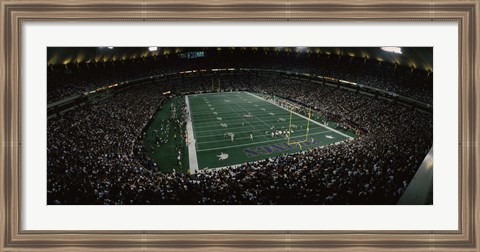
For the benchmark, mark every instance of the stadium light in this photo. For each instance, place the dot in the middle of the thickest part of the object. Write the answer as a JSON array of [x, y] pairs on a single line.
[[110, 47], [301, 49], [152, 48], [392, 49]]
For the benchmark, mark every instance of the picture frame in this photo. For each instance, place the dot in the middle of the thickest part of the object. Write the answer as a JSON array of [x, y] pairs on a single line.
[[14, 13]]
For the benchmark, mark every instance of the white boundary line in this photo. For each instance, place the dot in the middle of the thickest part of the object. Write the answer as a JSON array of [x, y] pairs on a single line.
[[336, 131], [192, 149]]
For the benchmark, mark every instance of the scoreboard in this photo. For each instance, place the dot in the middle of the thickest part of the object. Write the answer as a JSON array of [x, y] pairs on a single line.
[[192, 55]]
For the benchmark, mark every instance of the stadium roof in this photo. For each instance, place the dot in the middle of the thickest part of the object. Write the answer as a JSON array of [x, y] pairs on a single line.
[[417, 57]]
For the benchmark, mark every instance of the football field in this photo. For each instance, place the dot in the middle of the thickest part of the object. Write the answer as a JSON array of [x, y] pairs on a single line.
[[235, 127]]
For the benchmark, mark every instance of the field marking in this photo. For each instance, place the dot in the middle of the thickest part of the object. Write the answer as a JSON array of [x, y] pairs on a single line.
[[254, 143], [229, 109], [256, 117], [241, 129], [229, 122], [270, 141], [210, 93], [248, 137], [239, 145], [290, 153], [258, 111], [233, 120], [192, 149], [238, 114], [336, 131]]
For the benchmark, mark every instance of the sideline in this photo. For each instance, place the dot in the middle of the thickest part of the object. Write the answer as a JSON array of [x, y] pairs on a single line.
[[192, 149]]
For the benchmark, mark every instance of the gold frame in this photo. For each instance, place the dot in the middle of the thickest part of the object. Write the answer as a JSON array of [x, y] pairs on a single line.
[[14, 12]]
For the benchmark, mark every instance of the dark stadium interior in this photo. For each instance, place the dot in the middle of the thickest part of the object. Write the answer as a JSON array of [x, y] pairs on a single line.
[[101, 99]]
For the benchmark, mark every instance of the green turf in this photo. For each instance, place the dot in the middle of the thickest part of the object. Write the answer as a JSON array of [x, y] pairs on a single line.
[[165, 154], [207, 109]]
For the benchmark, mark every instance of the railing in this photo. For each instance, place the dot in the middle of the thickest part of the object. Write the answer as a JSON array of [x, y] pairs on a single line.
[[420, 189]]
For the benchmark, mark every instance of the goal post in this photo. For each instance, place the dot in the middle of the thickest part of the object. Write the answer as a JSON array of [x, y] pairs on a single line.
[[307, 129], [290, 126]]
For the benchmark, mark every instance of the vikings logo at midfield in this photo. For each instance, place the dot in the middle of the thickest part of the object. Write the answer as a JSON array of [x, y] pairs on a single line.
[[222, 156]]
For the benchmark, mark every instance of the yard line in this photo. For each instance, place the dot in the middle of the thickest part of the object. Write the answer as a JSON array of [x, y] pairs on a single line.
[[254, 143], [209, 112], [229, 129], [301, 133], [229, 122], [208, 118], [234, 111], [278, 126], [212, 93], [323, 125], [248, 137], [298, 120], [192, 149], [253, 117], [233, 129]]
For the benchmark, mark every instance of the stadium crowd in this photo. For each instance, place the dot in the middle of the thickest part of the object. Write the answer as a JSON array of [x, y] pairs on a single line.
[[93, 149], [94, 156], [64, 82]]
